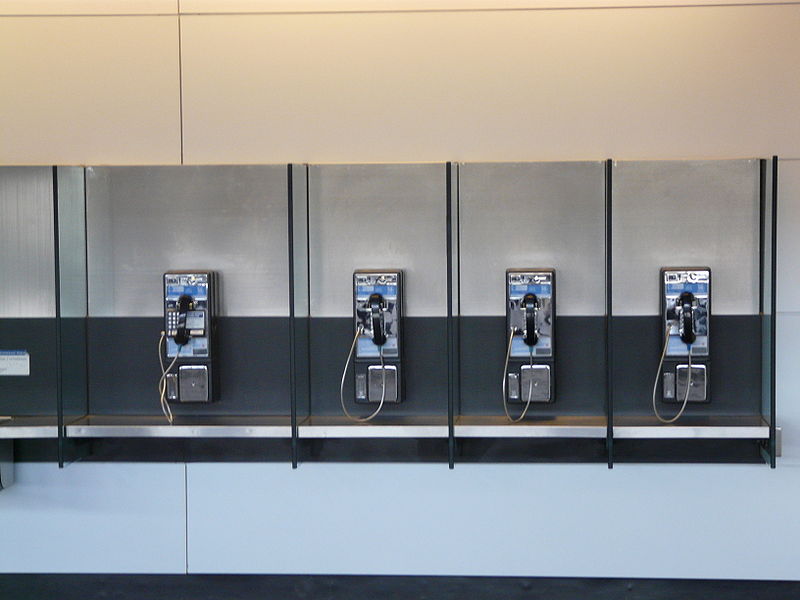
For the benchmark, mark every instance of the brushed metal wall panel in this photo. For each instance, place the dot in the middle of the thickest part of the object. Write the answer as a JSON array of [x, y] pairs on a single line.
[[27, 277], [143, 221], [693, 213], [378, 217], [532, 215], [72, 241]]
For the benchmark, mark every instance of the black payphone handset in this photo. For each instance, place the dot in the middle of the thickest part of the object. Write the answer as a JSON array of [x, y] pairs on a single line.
[[682, 312], [377, 310], [687, 303], [530, 305], [686, 306], [185, 304], [530, 323], [188, 339]]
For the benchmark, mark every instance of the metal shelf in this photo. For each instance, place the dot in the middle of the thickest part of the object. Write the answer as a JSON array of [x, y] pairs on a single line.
[[498, 426], [96, 426], [380, 427], [625, 427], [28, 428], [712, 427]]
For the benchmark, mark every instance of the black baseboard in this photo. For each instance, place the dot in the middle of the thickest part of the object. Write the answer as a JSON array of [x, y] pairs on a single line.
[[407, 450], [324, 587]]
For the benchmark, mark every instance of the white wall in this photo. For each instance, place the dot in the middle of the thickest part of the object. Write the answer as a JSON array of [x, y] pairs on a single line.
[[690, 82], [496, 86], [89, 90], [704, 521], [704, 82], [116, 518]]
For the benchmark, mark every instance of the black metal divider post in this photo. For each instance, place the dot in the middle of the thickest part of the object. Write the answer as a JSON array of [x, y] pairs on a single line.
[[59, 345], [299, 365], [292, 322], [768, 234], [773, 449], [452, 330], [71, 329], [766, 451], [609, 324], [762, 214]]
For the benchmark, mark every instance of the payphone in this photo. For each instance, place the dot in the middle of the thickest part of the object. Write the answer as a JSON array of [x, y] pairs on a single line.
[[685, 313], [377, 345], [530, 326], [190, 306]]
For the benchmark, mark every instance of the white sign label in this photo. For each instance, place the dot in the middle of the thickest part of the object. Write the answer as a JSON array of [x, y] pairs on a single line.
[[15, 362]]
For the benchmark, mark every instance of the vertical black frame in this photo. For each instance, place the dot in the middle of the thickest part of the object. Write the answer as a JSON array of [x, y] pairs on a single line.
[[609, 356], [59, 344], [773, 442], [68, 450], [762, 198], [299, 326], [292, 321], [768, 232], [545, 449], [453, 345]]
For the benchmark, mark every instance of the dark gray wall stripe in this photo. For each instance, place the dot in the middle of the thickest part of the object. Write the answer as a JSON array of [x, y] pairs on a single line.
[[35, 394], [253, 362], [735, 365], [327, 587], [579, 372], [424, 366]]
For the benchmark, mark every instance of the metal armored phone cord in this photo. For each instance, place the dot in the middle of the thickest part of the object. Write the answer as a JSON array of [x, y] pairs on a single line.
[[505, 378], [658, 376], [162, 383], [359, 331]]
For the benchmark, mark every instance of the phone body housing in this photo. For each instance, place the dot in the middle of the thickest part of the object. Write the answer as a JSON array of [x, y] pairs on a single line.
[[531, 369], [193, 378], [369, 378], [675, 372]]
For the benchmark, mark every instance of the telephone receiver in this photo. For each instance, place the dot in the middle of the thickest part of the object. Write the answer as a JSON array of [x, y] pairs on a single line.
[[683, 312], [185, 304], [686, 328], [376, 306], [530, 305]]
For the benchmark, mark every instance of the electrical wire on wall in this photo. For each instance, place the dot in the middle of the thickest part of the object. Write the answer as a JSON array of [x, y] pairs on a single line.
[[162, 382], [359, 331], [658, 376], [505, 377]]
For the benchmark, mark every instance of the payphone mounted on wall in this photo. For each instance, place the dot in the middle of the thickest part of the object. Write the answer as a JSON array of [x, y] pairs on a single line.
[[377, 345], [530, 326], [685, 312], [190, 299]]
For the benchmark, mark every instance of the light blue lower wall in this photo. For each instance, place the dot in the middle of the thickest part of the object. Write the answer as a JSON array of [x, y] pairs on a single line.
[[705, 521], [551, 520], [107, 518]]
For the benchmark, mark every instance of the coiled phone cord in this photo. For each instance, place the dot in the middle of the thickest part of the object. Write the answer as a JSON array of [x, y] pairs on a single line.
[[505, 378], [162, 383], [658, 376], [359, 331]]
